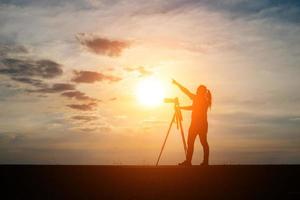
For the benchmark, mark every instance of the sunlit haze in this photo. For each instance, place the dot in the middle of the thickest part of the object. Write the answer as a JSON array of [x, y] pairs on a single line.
[[150, 92], [83, 81]]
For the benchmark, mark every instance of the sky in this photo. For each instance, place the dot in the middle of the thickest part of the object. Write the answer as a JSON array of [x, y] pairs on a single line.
[[69, 72]]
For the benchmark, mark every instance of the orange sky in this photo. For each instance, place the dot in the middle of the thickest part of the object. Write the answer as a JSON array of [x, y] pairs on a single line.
[[69, 72]]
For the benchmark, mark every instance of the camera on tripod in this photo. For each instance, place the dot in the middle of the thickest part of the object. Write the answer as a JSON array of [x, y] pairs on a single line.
[[172, 100], [177, 119]]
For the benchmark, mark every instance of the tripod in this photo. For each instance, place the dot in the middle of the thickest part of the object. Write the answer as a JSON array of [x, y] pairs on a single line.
[[177, 118]]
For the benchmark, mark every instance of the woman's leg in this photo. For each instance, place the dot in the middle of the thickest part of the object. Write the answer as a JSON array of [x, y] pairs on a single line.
[[191, 140], [203, 140]]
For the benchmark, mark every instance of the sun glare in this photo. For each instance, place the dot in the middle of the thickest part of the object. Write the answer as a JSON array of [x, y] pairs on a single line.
[[150, 92]]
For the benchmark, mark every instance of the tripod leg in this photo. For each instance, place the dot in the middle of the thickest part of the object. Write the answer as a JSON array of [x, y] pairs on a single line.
[[163, 146], [182, 136]]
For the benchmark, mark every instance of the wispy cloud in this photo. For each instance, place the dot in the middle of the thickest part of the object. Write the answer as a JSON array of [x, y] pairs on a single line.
[[83, 107], [141, 70], [30, 81], [280, 10], [91, 77], [7, 49], [113, 99], [56, 87], [102, 46], [33, 72], [84, 118], [29, 67], [78, 96]]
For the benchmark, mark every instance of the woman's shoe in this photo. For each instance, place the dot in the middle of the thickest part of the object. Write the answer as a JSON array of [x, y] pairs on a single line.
[[185, 163], [204, 164]]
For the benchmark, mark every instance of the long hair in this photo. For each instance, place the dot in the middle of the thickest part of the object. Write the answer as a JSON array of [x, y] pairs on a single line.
[[206, 94], [209, 98]]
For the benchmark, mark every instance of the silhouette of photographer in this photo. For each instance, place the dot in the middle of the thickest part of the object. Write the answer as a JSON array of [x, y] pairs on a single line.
[[199, 125]]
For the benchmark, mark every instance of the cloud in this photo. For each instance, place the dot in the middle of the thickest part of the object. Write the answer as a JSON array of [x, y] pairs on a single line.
[[295, 118], [30, 81], [88, 129], [46, 4], [31, 71], [102, 46], [83, 107], [78, 96], [280, 10], [91, 77], [141, 70], [113, 99], [85, 118], [43, 87], [6, 49], [56, 87], [29, 67]]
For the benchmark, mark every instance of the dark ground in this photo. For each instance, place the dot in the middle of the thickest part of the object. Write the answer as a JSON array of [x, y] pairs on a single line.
[[146, 182]]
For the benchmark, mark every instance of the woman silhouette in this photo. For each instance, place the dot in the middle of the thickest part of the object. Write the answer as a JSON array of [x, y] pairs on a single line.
[[199, 125]]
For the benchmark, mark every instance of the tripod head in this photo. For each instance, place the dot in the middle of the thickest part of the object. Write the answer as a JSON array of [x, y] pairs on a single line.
[[172, 100], [175, 101]]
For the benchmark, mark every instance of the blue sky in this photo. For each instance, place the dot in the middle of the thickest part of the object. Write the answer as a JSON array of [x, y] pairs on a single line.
[[69, 69]]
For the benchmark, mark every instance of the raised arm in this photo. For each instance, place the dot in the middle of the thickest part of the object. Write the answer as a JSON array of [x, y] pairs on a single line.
[[186, 107], [184, 90]]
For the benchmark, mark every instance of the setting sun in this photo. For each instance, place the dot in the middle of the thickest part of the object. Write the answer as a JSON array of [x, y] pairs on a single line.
[[150, 92]]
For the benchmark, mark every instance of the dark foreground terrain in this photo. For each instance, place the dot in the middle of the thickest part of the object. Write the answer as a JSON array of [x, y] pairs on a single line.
[[138, 182]]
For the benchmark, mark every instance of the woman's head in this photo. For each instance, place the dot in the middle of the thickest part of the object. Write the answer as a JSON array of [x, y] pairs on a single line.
[[202, 91]]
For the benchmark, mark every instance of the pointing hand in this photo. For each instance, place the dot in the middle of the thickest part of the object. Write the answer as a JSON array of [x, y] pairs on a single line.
[[174, 81]]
